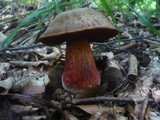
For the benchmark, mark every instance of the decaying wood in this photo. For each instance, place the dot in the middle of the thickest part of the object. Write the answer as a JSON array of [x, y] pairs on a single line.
[[133, 68]]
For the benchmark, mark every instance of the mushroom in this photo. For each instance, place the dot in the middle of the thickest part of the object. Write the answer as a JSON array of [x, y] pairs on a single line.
[[78, 28]]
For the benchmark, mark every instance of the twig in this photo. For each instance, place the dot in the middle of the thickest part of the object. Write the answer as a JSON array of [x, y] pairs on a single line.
[[149, 40], [127, 46], [109, 99], [21, 48]]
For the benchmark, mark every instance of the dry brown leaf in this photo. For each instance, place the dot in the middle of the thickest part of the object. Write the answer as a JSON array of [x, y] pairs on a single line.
[[142, 89], [156, 95], [4, 67], [78, 112], [154, 68], [108, 114], [91, 109], [33, 82], [5, 85], [23, 110], [140, 111], [54, 55], [35, 100], [102, 112]]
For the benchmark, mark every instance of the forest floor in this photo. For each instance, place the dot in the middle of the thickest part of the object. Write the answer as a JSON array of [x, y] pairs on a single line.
[[27, 93]]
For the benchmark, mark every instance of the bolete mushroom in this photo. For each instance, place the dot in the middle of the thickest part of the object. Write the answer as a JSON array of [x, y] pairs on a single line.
[[78, 28]]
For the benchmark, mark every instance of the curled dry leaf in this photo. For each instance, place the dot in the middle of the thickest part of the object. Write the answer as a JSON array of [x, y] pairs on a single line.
[[154, 68], [35, 86], [41, 51], [156, 95], [33, 82], [2, 38], [56, 53], [5, 85], [108, 54], [4, 67]]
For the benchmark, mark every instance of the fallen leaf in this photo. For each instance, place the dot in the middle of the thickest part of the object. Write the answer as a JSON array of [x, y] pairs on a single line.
[[6, 85], [156, 96], [33, 82], [138, 111], [23, 110], [78, 112], [4, 67]]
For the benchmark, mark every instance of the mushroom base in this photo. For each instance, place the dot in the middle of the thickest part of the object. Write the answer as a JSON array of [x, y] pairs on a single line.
[[80, 70]]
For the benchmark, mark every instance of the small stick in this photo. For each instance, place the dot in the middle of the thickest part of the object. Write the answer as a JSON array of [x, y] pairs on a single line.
[[127, 46], [22, 48], [109, 99], [28, 64]]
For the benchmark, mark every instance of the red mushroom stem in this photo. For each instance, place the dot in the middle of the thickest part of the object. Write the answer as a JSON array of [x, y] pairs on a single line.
[[80, 70]]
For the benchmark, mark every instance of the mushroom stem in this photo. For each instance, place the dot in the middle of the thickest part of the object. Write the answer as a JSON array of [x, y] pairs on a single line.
[[80, 70]]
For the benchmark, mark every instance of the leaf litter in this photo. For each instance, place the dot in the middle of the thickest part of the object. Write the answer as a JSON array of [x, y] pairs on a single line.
[[27, 93]]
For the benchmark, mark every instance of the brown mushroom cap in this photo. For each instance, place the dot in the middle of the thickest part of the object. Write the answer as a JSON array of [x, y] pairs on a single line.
[[76, 24]]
